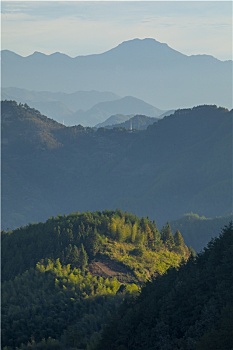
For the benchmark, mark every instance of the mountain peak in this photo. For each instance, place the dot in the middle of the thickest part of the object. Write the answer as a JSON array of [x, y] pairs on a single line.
[[144, 41], [147, 46]]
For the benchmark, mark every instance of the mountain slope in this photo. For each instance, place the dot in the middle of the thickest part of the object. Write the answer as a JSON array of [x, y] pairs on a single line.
[[146, 69], [186, 309], [126, 105], [180, 164], [114, 120], [58, 106], [65, 277], [137, 122], [82, 107]]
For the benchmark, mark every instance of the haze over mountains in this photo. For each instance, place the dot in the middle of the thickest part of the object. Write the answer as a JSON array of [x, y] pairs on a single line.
[[182, 163], [87, 108], [127, 105], [137, 122], [107, 190], [146, 69]]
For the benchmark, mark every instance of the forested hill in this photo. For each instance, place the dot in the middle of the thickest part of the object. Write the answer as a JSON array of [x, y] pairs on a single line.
[[182, 163], [188, 309], [63, 279]]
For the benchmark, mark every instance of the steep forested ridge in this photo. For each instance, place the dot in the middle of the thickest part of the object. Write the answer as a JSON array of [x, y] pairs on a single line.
[[63, 279], [180, 164], [186, 309]]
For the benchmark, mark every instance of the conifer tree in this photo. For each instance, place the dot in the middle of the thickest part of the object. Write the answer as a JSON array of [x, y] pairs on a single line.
[[178, 239], [167, 236]]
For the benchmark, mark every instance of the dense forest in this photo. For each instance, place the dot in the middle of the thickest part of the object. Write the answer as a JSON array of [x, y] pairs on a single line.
[[190, 308], [62, 280], [180, 164], [109, 279]]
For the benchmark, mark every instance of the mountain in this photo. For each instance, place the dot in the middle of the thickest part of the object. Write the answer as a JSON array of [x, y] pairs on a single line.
[[63, 279], [180, 164], [146, 69], [137, 122], [188, 308], [82, 107], [58, 106], [126, 105], [113, 120]]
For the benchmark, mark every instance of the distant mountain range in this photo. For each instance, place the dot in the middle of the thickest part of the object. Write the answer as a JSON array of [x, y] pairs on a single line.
[[83, 100], [137, 122], [180, 164], [115, 119], [146, 69], [87, 108], [103, 110]]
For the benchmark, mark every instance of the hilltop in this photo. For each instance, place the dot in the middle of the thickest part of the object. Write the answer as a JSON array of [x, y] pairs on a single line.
[[63, 279]]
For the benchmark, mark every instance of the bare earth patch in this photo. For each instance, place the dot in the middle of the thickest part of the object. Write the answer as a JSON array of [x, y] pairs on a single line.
[[108, 268]]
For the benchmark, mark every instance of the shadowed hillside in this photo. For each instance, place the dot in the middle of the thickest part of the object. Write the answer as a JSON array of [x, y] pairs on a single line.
[[187, 309], [182, 163]]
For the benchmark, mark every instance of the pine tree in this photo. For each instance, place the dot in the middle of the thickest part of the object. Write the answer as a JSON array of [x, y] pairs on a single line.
[[167, 236], [178, 239]]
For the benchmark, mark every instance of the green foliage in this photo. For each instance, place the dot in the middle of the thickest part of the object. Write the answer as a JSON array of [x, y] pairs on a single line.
[[45, 301], [63, 279], [79, 238], [189, 308], [167, 236]]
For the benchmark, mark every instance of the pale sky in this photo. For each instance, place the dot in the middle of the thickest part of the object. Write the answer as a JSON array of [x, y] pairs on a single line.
[[84, 27]]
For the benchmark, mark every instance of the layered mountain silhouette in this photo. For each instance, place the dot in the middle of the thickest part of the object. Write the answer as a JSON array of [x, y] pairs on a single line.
[[180, 164], [146, 69], [137, 122], [126, 105], [87, 108], [83, 100], [115, 119]]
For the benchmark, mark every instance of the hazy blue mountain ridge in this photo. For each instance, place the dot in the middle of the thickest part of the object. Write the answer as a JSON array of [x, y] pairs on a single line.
[[77, 100], [137, 122], [82, 107], [113, 120], [145, 68], [126, 105]]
